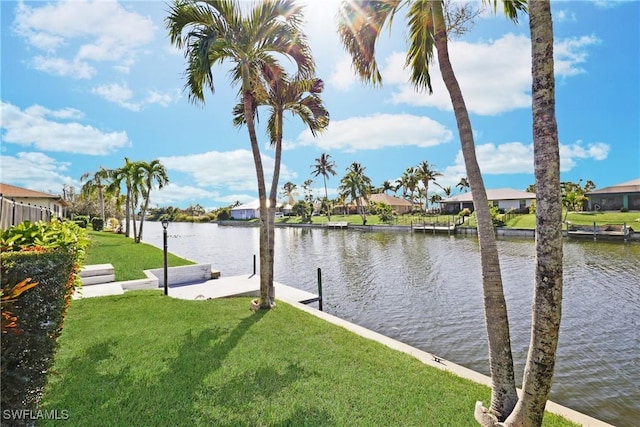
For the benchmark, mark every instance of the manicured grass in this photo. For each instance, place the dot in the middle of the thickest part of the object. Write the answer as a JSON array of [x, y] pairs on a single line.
[[128, 258], [144, 359], [582, 218]]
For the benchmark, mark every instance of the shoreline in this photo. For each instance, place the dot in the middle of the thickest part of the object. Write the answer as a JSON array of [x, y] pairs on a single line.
[[462, 231]]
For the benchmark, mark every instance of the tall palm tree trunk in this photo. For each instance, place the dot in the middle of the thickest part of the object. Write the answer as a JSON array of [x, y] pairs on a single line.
[[127, 215], [247, 100], [326, 197], [547, 299], [503, 391], [272, 207], [101, 201]]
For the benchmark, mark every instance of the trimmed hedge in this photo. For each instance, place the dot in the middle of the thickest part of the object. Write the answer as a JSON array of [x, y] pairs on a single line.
[[49, 254], [28, 352]]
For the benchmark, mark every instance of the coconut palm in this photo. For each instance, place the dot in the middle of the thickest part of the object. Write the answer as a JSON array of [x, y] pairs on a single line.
[[93, 183], [216, 31], [152, 173], [356, 185], [426, 172], [409, 181], [359, 25], [324, 166], [387, 186], [300, 97]]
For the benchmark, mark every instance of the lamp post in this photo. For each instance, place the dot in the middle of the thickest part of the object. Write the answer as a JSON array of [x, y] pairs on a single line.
[[165, 224]]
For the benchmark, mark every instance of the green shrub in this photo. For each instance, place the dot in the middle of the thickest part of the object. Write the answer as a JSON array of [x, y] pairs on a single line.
[[97, 224], [49, 254], [224, 214], [27, 354], [623, 209], [465, 212], [81, 220]]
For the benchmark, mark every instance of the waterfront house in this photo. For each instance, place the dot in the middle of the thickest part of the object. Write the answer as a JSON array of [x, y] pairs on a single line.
[[399, 205], [504, 198], [615, 197], [247, 211]]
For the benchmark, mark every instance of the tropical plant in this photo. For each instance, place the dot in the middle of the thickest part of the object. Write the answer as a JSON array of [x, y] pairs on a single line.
[[463, 185], [93, 183], [128, 175], [324, 166], [356, 185], [409, 180], [301, 97], [152, 173], [426, 172], [289, 191], [214, 32], [359, 25]]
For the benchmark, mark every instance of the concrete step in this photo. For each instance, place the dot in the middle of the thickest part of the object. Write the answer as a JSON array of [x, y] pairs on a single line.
[[97, 274]]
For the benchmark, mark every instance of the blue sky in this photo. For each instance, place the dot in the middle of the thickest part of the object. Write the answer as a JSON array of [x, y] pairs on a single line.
[[86, 84]]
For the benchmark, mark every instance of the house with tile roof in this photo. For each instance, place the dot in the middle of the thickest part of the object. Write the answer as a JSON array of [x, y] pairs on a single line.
[[18, 204], [615, 197], [504, 198]]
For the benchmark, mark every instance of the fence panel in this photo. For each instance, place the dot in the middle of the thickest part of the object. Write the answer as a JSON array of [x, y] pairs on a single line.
[[12, 213]]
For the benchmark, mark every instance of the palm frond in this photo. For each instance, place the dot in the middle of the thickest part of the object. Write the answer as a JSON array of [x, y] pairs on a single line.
[[421, 44]]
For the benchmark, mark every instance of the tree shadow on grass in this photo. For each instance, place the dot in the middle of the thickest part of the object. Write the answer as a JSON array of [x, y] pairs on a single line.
[[194, 383]]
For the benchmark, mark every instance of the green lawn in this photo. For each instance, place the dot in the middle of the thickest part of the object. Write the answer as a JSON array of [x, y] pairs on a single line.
[[582, 218], [128, 258], [143, 359]]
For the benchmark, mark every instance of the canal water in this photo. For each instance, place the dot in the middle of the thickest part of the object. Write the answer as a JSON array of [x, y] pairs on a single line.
[[425, 290]]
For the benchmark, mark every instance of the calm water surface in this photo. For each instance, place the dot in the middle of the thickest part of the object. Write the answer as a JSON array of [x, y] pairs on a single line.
[[425, 290]]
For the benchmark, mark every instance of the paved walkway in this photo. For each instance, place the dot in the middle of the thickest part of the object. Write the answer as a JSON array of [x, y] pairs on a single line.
[[249, 285]]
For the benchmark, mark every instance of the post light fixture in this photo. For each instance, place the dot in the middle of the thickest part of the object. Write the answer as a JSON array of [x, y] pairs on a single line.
[[165, 224]]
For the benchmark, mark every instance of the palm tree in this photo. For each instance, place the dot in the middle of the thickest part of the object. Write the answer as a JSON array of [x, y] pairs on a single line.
[[217, 31], [547, 299], [410, 181], [289, 191], [386, 186], [463, 185], [324, 166], [357, 185], [96, 183], [359, 25], [301, 97], [152, 173], [425, 173], [129, 176]]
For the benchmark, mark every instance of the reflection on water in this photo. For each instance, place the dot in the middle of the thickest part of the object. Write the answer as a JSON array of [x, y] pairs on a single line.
[[425, 290]]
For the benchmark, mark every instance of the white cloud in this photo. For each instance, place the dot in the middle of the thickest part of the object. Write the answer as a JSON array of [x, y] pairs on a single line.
[[516, 157], [123, 96], [495, 76], [61, 67], [233, 170], [563, 15], [32, 127], [379, 131], [342, 75], [173, 194], [36, 171], [570, 54], [75, 32]]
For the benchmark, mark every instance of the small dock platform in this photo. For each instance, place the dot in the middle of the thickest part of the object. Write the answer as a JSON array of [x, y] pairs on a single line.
[[235, 286], [338, 224], [434, 228]]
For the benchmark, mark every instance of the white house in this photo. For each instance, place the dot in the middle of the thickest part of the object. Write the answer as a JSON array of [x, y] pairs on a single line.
[[247, 211], [19, 204], [503, 198]]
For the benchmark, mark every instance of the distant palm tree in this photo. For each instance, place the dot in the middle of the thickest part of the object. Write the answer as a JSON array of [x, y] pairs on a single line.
[[324, 166], [128, 175], [217, 31], [425, 173], [357, 185], [289, 191], [463, 185], [410, 181], [96, 183], [386, 186], [152, 173]]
